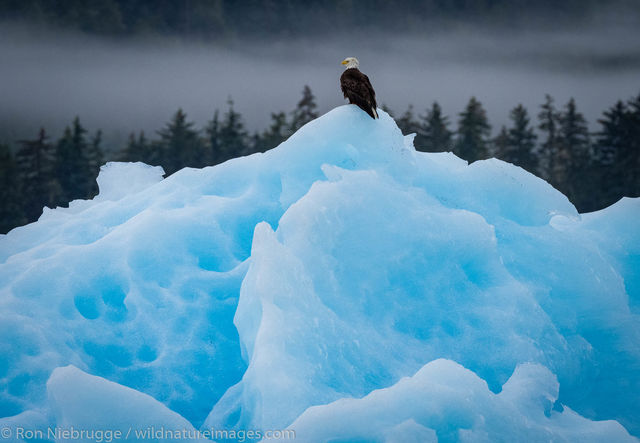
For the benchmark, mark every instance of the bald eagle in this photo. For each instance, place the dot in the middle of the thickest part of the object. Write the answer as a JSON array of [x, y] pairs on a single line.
[[357, 87]]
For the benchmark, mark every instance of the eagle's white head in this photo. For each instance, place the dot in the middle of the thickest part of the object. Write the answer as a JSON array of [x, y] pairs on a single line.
[[350, 62]]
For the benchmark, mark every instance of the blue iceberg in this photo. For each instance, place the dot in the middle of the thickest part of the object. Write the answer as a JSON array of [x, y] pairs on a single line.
[[340, 287]]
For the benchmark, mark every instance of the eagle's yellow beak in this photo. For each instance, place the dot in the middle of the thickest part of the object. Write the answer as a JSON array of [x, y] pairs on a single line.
[[344, 62]]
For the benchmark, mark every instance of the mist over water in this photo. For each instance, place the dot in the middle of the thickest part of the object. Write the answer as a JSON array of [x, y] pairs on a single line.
[[120, 85]]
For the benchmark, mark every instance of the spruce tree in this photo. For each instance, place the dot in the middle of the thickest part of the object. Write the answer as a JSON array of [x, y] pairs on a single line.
[[618, 151], [255, 144], [181, 145], [233, 135], [631, 154], [95, 159], [610, 148], [139, 149], [435, 135], [277, 132], [129, 152], [305, 110], [213, 147], [573, 159], [613, 135], [521, 142], [35, 163], [501, 143], [548, 124], [409, 125], [11, 214], [72, 165], [472, 142]]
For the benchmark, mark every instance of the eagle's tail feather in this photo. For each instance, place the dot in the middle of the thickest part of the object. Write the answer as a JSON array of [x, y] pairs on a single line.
[[366, 107]]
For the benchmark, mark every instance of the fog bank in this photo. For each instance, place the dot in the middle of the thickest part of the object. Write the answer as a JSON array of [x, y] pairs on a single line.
[[121, 86]]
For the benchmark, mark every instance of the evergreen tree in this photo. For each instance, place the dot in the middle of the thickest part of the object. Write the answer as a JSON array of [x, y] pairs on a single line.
[[255, 144], [549, 122], [611, 143], [72, 169], [615, 133], [472, 142], [139, 149], [521, 142], [435, 135], [275, 134], [35, 164], [408, 124], [631, 154], [11, 214], [233, 135], [181, 145], [305, 110], [618, 151], [95, 159], [212, 140], [501, 143], [573, 159]]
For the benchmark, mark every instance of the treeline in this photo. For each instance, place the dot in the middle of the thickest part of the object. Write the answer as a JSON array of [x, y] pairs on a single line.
[[233, 18], [50, 173], [593, 169]]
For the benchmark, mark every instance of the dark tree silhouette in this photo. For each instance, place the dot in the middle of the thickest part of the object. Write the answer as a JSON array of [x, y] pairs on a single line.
[[521, 142], [407, 122], [213, 148], [548, 118], [139, 149], [11, 214], [617, 153], [611, 143], [573, 157], [72, 168], [631, 154], [435, 135], [473, 133], [95, 159], [234, 140], [35, 161], [276, 133], [44, 173], [181, 145], [501, 143], [305, 110]]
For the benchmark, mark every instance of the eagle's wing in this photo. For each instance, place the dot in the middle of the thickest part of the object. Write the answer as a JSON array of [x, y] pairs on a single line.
[[372, 93], [357, 88]]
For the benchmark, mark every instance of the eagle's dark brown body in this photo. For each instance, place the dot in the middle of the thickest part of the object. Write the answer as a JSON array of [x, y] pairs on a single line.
[[357, 88]]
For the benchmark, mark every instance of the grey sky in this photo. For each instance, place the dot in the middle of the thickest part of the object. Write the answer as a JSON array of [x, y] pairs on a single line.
[[46, 79]]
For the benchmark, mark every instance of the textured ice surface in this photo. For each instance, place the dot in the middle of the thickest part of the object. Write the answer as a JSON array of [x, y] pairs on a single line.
[[447, 402], [293, 288], [85, 402]]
